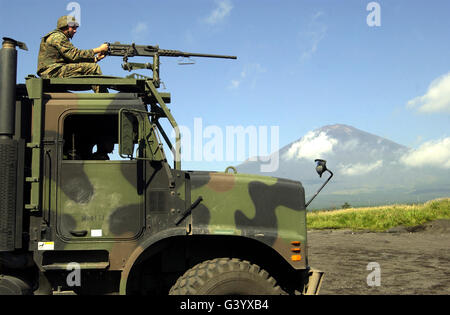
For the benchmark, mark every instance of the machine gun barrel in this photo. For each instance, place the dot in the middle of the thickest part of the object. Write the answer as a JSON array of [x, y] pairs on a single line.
[[177, 53]]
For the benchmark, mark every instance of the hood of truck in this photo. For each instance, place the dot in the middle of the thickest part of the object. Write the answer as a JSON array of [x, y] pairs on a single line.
[[265, 208]]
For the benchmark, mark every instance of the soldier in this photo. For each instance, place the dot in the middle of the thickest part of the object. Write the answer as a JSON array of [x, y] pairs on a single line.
[[103, 149], [58, 58]]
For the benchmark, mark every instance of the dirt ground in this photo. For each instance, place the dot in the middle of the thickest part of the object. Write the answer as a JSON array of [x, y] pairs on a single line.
[[411, 260]]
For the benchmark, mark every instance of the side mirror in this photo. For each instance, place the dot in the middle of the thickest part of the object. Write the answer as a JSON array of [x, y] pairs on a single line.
[[127, 133], [321, 168]]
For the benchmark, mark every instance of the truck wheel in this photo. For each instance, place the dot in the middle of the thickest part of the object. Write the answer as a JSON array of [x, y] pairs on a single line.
[[226, 276], [10, 285]]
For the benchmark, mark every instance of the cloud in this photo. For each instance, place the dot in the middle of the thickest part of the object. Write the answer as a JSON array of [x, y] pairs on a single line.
[[311, 146], [140, 29], [312, 36], [249, 73], [222, 10], [235, 84], [359, 168], [349, 145], [431, 153], [436, 99]]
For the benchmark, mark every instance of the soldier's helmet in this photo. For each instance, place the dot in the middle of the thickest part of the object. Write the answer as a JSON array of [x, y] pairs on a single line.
[[65, 21]]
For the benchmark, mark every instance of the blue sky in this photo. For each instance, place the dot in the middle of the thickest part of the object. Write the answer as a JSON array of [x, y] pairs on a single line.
[[302, 64]]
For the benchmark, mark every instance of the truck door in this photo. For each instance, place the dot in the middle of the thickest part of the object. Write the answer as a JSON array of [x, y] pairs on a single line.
[[99, 196]]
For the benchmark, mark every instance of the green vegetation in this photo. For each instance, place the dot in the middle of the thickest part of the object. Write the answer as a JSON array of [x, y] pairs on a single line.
[[346, 205], [380, 218]]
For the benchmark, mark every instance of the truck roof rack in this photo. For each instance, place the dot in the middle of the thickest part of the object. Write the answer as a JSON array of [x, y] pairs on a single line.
[[82, 83]]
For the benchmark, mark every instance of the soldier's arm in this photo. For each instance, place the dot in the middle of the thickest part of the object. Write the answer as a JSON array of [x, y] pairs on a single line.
[[69, 51]]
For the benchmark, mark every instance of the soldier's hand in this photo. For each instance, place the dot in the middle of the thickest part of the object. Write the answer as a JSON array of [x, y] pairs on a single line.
[[100, 56], [103, 49]]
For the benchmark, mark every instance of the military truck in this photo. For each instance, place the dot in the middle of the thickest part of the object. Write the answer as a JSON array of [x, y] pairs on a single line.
[[139, 225]]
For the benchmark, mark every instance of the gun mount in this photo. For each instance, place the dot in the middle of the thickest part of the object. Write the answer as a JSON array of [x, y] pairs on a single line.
[[133, 50]]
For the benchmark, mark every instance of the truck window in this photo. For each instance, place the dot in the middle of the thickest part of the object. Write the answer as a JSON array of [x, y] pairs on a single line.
[[91, 137]]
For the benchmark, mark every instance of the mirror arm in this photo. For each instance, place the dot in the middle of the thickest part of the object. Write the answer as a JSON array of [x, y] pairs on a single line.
[[326, 182]]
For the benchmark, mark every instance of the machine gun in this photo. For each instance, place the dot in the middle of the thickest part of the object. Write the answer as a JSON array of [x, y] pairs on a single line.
[[133, 50]]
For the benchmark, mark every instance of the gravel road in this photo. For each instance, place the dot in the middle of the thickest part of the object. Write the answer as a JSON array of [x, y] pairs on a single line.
[[410, 260]]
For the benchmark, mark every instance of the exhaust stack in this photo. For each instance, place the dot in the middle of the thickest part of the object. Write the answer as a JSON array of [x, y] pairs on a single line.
[[8, 145], [8, 74]]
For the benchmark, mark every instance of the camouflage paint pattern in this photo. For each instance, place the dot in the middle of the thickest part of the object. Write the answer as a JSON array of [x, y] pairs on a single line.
[[124, 207], [267, 209]]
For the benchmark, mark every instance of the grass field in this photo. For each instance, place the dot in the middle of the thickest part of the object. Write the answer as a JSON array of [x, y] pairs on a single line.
[[380, 218]]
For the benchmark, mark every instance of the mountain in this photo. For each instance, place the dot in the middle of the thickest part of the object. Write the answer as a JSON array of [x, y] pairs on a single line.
[[368, 169]]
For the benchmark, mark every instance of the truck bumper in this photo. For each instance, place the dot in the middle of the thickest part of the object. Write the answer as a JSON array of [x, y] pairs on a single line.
[[314, 282]]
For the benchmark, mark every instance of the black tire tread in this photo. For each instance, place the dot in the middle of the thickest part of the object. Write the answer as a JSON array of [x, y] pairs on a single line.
[[197, 276]]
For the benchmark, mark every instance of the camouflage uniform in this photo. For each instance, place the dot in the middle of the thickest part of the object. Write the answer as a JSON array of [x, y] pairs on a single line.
[[58, 58]]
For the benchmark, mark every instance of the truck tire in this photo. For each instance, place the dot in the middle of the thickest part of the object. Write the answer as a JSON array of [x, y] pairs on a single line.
[[226, 276], [10, 285]]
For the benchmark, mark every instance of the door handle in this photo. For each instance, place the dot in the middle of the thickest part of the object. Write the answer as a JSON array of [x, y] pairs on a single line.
[[79, 233]]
